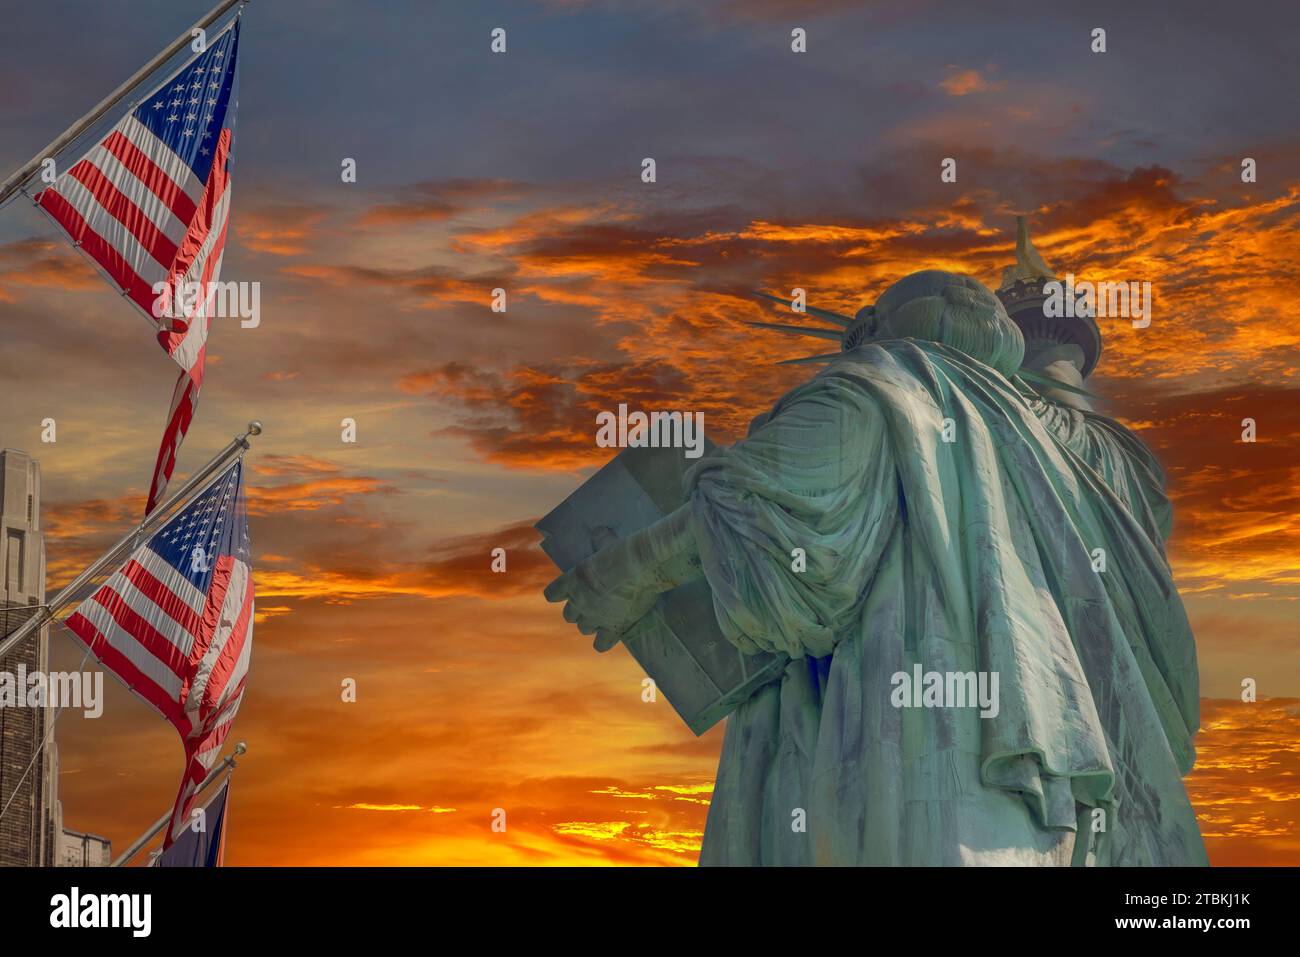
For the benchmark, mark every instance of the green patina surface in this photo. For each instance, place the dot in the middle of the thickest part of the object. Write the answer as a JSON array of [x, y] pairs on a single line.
[[953, 519]]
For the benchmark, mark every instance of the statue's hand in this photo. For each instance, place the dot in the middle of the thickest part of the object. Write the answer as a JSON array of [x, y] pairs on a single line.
[[607, 593]]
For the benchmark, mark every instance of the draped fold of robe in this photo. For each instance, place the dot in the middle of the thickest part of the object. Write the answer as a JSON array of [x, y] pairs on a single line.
[[1030, 546]]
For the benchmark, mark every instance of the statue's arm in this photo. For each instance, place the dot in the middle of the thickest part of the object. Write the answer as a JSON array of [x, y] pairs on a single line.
[[786, 525], [790, 523], [1133, 473], [1119, 457]]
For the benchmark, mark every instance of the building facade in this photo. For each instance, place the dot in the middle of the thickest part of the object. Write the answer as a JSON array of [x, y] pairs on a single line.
[[30, 829], [83, 850]]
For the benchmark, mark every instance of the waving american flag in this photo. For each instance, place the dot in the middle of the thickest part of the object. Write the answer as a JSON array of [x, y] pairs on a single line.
[[175, 624], [150, 205]]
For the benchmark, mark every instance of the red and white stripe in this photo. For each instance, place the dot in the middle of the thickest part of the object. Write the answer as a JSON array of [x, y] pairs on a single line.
[[137, 209], [185, 398], [184, 652]]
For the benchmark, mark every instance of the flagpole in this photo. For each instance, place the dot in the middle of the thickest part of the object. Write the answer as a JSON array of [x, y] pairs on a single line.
[[127, 543], [24, 172], [161, 823]]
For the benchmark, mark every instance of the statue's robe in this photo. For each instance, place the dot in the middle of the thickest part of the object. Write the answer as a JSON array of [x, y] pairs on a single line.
[[975, 555]]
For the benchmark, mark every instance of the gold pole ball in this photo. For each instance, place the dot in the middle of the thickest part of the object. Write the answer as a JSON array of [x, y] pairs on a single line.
[[241, 747], [254, 428]]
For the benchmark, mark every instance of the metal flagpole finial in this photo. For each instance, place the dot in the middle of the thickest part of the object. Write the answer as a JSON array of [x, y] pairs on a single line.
[[241, 441], [158, 825], [254, 428]]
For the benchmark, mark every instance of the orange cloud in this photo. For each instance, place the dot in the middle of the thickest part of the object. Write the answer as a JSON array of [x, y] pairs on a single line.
[[43, 264], [441, 200], [279, 230], [1246, 784], [964, 82], [313, 495], [461, 567]]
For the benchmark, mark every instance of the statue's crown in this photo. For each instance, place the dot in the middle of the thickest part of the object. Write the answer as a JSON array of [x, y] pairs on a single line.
[[924, 304]]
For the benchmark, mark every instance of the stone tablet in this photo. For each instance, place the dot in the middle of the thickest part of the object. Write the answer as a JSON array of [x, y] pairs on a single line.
[[678, 644]]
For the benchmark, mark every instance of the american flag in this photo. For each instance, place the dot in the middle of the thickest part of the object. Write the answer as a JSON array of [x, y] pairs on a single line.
[[206, 847], [150, 205], [175, 624]]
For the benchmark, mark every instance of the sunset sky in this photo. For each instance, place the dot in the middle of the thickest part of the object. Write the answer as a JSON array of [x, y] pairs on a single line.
[[522, 171]]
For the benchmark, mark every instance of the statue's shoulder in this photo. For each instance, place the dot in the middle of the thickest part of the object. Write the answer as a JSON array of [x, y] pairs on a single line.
[[892, 358], [892, 368], [851, 381]]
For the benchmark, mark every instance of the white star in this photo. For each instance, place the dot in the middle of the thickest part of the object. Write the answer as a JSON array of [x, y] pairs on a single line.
[[173, 118], [158, 105]]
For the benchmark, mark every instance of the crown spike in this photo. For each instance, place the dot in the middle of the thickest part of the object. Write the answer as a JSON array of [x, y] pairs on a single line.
[[815, 331], [824, 357], [811, 310]]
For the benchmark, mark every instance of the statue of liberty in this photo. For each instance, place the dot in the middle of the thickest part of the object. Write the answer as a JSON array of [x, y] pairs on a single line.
[[956, 508]]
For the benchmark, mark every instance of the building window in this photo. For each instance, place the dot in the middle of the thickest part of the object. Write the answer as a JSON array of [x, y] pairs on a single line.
[[14, 561]]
